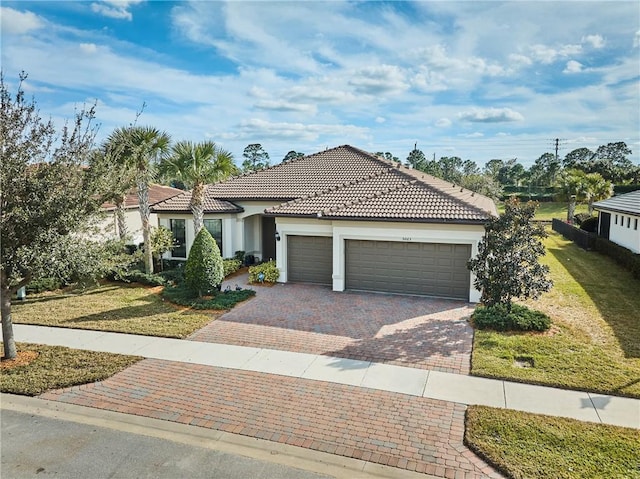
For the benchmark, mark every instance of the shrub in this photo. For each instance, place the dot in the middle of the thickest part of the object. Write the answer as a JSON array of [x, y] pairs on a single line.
[[184, 296], [621, 255], [239, 255], [173, 276], [581, 218], [520, 318], [230, 266], [204, 272], [269, 270], [590, 225], [44, 284], [136, 276]]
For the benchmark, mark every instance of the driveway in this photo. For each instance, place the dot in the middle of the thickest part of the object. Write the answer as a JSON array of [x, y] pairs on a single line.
[[426, 333]]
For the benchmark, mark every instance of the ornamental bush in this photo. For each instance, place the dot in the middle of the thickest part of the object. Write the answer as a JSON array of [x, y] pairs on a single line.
[[204, 271], [231, 265], [520, 318], [269, 270]]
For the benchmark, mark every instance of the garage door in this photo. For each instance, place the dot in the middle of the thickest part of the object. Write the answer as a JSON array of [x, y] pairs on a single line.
[[310, 259], [430, 269]]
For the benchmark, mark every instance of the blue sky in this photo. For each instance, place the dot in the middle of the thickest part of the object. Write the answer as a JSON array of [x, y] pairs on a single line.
[[478, 80]]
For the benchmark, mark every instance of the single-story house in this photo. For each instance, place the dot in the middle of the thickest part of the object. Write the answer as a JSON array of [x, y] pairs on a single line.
[[345, 218], [109, 226], [619, 218]]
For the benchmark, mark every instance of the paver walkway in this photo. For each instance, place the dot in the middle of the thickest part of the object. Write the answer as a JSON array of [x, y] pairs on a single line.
[[419, 332]]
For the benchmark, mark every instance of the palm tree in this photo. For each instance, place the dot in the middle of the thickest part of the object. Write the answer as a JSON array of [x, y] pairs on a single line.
[[572, 186], [597, 188], [196, 165], [142, 148]]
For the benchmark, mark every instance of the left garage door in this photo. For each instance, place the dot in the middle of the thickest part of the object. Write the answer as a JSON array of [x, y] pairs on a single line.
[[310, 259]]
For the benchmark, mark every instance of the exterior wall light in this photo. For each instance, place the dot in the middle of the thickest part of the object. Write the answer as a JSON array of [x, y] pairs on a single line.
[[277, 236]]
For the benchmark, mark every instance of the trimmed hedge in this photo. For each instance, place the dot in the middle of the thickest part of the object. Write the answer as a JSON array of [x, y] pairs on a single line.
[[269, 269], [203, 271], [622, 189], [520, 318], [621, 255], [590, 225], [231, 265]]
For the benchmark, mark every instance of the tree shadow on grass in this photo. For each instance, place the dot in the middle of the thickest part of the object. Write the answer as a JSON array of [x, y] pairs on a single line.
[[30, 299], [611, 288]]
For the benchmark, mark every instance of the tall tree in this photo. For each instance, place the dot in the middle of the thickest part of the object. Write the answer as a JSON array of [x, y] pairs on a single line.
[[292, 155], [255, 157], [196, 165], [511, 173], [451, 168], [483, 184], [492, 167], [387, 156], [578, 158], [572, 188], [549, 167], [142, 147], [612, 162], [507, 265], [596, 189], [416, 159], [48, 199]]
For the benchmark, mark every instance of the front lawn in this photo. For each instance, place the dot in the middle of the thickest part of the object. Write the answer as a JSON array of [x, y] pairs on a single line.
[[594, 342], [525, 445], [40, 368], [112, 307]]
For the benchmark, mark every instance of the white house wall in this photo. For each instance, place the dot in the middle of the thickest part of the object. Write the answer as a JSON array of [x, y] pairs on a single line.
[[620, 233], [376, 231], [133, 221]]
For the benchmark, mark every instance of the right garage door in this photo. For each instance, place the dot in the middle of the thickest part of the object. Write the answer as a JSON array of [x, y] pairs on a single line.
[[430, 269]]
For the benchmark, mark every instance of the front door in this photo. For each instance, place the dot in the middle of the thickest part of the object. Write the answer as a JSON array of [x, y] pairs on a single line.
[[605, 224], [268, 238]]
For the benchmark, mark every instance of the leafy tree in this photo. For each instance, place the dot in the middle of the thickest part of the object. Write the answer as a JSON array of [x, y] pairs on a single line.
[[387, 156], [161, 241], [416, 159], [204, 270], [142, 148], [196, 165], [611, 162], [572, 188], [451, 168], [483, 184], [255, 158], [433, 168], [547, 168], [469, 167], [48, 200], [492, 167], [292, 155], [507, 265], [578, 158], [596, 189], [511, 173]]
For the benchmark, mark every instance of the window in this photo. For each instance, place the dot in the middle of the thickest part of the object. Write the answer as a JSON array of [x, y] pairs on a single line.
[[635, 224], [628, 221], [215, 228], [616, 219], [177, 227]]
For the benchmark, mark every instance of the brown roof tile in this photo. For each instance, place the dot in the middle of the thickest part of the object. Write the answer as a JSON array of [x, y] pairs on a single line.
[[211, 204], [345, 182], [157, 193]]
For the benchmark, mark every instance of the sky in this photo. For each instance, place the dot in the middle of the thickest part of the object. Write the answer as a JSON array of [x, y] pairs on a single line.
[[477, 80]]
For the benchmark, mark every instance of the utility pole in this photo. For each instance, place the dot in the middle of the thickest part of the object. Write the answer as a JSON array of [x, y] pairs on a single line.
[[557, 143]]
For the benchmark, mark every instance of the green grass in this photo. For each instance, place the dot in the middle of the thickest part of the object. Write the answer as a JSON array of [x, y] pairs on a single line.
[[57, 367], [594, 342], [548, 210], [525, 445], [113, 307]]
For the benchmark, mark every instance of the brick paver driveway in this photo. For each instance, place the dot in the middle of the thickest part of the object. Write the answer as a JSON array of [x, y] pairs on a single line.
[[403, 431], [411, 331]]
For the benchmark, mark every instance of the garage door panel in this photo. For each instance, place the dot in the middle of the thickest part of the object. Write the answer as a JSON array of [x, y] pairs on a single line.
[[434, 269], [310, 259]]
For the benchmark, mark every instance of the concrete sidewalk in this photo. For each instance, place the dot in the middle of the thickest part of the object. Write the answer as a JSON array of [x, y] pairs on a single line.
[[415, 382]]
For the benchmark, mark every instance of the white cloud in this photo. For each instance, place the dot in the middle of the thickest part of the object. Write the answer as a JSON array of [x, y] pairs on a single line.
[[546, 54], [378, 80], [380, 119], [636, 39], [573, 67], [279, 105], [475, 134], [118, 9], [88, 48], [258, 128], [520, 59], [15, 22], [490, 115], [443, 123], [596, 41]]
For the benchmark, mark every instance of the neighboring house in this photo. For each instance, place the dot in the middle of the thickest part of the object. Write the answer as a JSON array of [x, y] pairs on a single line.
[[619, 218], [157, 193], [345, 218]]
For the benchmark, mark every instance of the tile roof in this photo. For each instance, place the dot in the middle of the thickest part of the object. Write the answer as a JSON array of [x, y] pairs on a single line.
[[157, 193], [345, 182], [211, 204], [627, 203]]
